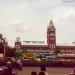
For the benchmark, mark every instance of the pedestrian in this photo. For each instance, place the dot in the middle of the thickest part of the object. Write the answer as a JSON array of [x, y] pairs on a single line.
[[1, 70], [19, 64], [33, 73], [9, 65], [73, 72], [43, 71]]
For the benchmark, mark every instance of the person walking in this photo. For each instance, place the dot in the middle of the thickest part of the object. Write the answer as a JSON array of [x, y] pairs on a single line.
[[33, 73], [43, 71], [19, 64], [9, 67], [73, 72]]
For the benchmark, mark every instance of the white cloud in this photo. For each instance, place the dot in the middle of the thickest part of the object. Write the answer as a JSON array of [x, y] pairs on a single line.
[[29, 19]]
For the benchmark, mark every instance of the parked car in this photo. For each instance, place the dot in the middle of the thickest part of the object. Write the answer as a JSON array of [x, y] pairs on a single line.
[[51, 58], [40, 57]]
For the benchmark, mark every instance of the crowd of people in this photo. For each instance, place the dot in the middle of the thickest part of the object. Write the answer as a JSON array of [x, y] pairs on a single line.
[[8, 68], [10, 65]]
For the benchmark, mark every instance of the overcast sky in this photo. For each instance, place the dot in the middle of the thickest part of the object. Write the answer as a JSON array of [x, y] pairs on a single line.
[[28, 19]]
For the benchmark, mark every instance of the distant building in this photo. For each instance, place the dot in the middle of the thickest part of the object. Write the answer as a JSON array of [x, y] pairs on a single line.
[[51, 43], [18, 43]]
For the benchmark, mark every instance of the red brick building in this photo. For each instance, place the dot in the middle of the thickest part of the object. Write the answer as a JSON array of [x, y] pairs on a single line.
[[51, 43]]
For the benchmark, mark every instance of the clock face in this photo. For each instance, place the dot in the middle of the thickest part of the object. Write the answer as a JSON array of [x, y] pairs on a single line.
[[52, 28]]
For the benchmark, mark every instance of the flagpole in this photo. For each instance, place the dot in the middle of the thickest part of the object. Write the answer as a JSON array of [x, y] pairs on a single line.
[[4, 51]]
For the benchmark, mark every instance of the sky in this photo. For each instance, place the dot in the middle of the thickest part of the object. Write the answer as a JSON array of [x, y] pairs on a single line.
[[29, 19]]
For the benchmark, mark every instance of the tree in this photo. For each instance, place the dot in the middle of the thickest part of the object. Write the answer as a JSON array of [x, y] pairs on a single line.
[[18, 53], [57, 52], [9, 52]]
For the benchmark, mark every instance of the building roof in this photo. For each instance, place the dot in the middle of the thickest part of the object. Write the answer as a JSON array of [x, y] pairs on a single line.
[[65, 44], [35, 45]]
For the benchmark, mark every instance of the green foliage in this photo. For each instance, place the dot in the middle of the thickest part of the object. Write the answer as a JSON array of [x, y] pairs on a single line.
[[57, 52], [9, 52], [18, 53]]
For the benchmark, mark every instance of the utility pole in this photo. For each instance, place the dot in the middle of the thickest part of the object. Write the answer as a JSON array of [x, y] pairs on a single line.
[[4, 53], [4, 45]]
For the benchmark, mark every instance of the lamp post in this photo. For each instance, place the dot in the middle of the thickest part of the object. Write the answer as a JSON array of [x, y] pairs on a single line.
[[4, 44], [4, 50]]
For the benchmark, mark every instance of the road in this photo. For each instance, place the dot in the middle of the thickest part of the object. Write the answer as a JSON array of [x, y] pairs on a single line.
[[50, 70]]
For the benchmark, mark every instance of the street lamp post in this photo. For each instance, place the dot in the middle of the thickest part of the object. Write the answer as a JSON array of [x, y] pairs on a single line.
[[4, 44], [4, 51]]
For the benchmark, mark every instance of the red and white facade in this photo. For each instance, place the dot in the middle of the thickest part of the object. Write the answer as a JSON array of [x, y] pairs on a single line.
[[51, 43]]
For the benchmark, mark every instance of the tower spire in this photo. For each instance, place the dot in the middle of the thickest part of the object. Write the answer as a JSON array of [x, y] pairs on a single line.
[[51, 24]]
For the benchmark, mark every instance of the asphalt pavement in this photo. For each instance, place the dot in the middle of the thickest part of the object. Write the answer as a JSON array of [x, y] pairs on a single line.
[[50, 70]]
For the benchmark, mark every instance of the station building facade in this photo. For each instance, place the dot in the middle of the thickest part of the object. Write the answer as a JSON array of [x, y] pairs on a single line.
[[51, 43]]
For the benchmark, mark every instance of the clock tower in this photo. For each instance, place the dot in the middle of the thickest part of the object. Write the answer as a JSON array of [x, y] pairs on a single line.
[[51, 36]]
